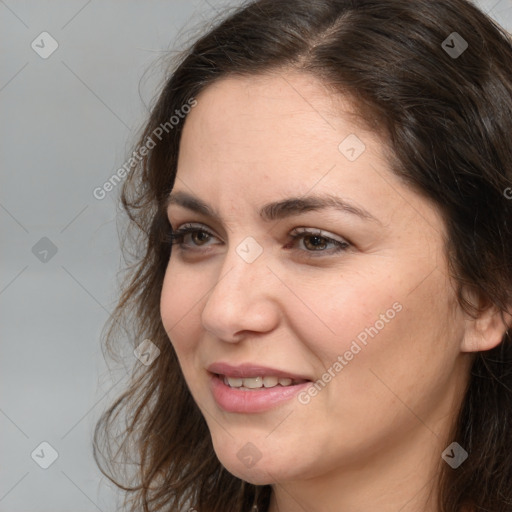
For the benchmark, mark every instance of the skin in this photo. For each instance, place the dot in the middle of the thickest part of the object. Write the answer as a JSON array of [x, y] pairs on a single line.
[[375, 433]]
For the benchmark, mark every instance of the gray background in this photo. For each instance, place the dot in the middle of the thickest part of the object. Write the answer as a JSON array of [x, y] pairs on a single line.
[[67, 124]]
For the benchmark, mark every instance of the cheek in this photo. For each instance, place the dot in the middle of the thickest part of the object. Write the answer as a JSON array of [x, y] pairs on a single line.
[[397, 347], [179, 303], [343, 315], [365, 327]]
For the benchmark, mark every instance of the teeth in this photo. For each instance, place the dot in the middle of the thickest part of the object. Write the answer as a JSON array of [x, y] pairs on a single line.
[[253, 382], [270, 382], [256, 382], [234, 383]]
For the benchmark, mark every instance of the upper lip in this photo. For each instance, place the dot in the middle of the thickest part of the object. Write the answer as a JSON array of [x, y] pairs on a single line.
[[247, 370]]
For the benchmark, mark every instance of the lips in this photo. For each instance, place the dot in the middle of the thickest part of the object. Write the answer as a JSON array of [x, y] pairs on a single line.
[[250, 401], [249, 370]]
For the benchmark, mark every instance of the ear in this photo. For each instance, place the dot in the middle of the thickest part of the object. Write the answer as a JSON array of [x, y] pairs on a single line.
[[486, 331]]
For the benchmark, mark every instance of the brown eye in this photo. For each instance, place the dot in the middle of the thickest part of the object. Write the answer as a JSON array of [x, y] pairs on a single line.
[[198, 236], [316, 242]]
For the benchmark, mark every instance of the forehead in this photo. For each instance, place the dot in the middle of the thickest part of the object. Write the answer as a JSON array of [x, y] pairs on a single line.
[[269, 119], [289, 97]]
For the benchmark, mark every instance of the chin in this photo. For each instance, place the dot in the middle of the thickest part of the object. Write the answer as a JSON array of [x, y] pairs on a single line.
[[254, 476], [264, 471]]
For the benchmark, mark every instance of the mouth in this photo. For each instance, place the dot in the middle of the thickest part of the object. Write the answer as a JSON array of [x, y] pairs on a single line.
[[259, 382], [235, 391]]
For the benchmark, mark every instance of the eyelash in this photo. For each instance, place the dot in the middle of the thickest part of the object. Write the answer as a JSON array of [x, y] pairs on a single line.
[[176, 237]]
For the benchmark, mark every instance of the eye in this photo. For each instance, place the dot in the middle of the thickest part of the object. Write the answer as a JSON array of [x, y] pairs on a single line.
[[317, 241], [313, 241], [199, 236]]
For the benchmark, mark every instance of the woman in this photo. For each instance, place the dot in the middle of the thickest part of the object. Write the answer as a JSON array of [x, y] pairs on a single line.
[[325, 285]]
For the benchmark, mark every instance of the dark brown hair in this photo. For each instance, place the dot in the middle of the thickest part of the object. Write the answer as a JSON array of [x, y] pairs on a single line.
[[448, 121]]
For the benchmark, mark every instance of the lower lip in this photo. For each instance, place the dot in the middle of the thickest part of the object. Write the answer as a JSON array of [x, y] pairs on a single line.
[[254, 400]]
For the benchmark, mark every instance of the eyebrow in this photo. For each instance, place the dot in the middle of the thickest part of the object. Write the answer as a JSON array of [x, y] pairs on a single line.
[[289, 207]]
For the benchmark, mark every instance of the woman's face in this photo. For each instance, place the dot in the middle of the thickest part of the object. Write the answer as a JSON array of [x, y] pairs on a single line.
[[361, 304]]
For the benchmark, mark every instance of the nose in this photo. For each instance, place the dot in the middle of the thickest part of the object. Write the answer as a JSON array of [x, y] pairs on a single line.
[[242, 300]]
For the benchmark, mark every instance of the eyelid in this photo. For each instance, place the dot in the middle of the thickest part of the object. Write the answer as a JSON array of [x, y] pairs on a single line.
[[193, 224], [299, 230], [196, 225], [319, 232], [300, 233]]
